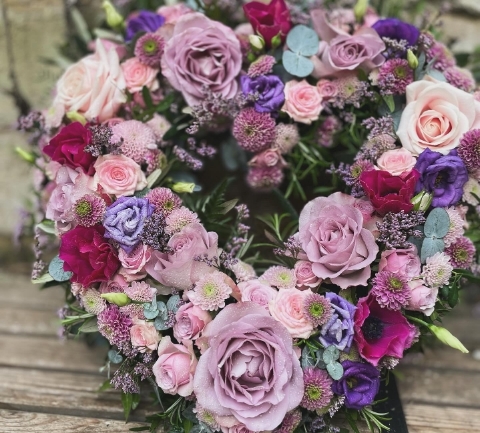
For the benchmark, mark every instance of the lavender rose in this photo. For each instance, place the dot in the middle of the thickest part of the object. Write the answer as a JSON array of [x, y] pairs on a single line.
[[250, 370], [124, 221], [269, 89], [338, 331], [202, 53], [332, 235]]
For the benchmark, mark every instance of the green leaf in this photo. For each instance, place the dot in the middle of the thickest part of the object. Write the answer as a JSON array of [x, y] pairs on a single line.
[[430, 247], [135, 401], [47, 226], [105, 385], [161, 324], [228, 206], [335, 370], [162, 310], [147, 98], [296, 64], [45, 278], [390, 102], [153, 177], [330, 354], [145, 428], [303, 40], [90, 325], [55, 269], [437, 223], [127, 402]]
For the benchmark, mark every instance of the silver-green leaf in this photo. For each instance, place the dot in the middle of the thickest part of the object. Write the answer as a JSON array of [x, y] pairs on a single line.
[[55, 269], [303, 40]]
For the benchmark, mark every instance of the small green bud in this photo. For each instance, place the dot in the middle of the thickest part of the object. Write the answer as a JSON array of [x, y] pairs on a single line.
[[360, 9], [27, 156], [74, 116], [412, 59], [114, 19], [183, 187], [120, 299], [276, 41], [256, 42], [446, 337], [422, 201]]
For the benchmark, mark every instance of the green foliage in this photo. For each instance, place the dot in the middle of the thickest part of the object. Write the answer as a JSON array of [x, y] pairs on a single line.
[[55, 269]]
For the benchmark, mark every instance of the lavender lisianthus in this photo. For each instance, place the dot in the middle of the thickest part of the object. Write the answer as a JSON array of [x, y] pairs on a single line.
[[396, 29], [339, 329], [359, 384], [124, 220], [442, 175], [269, 89], [145, 21]]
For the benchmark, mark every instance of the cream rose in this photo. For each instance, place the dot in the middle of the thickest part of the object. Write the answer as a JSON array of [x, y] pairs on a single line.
[[436, 116], [303, 102], [396, 161]]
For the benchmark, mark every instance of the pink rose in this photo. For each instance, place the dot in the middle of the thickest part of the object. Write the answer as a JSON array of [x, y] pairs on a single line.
[[422, 298], [305, 277], [94, 86], [133, 264], [288, 308], [327, 89], [268, 158], [189, 322], [144, 336], [174, 12], [396, 161], [180, 269], [332, 235], [243, 271], [119, 175], [399, 261], [175, 367], [202, 53], [257, 291], [303, 102], [329, 24], [436, 116], [138, 75], [117, 284]]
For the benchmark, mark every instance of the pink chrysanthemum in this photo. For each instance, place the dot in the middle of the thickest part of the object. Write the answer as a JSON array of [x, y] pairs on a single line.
[[263, 65], [469, 150], [461, 253], [134, 311], [140, 291], [351, 91], [290, 422], [114, 325], [318, 389], [456, 229], [391, 290], [358, 167], [210, 292], [135, 137], [437, 270], [280, 277], [164, 200], [394, 76], [179, 218], [265, 178], [160, 125], [442, 57], [471, 190], [286, 137], [317, 309], [460, 78], [149, 49], [254, 131], [92, 301], [206, 417], [89, 210]]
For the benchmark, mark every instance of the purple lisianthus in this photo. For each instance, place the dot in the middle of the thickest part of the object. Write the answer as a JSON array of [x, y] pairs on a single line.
[[269, 89], [393, 28], [339, 329], [442, 175], [124, 220], [145, 21], [359, 384]]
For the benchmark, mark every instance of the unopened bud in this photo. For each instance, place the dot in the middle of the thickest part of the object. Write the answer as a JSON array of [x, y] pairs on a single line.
[[446, 337], [75, 116], [422, 201], [183, 187], [113, 18], [256, 42], [360, 9], [120, 299], [27, 156], [412, 59], [276, 41]]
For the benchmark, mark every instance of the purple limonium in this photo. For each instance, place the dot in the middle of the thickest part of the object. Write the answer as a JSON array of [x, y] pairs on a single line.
[[442, 175], [359, 384], [339, 329], [267, 88], [396, 29], [124, 221], [145, 21]]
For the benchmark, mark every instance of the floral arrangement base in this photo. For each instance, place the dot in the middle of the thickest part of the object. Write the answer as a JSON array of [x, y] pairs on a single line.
[[391, 404]]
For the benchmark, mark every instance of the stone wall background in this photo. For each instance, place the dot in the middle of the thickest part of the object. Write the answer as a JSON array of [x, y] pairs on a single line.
[[31, 31]]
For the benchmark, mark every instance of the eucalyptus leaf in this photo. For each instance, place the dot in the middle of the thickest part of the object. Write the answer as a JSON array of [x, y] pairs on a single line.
[[335, 370], [150, 311], [296, 64], [430, 247], [437, 75], [45, 278], [330, 354], [303, 40], [437, 223], [114, 357], [307, 359], [162, 310], [173, 304], [161, 324], [201, 428], [90, 325], [55, 269]]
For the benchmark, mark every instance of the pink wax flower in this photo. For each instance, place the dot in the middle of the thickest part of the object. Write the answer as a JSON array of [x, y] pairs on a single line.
[[303, 102], [190, 321], [144, 336]]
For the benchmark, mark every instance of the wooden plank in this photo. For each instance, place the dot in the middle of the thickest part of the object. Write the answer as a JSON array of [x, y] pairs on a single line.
[[20, 422], [442, 357], [41, 323]]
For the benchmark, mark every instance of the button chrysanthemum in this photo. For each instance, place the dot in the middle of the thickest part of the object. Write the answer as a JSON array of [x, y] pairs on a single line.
[[280, 277], [437, 270], [135, 137], [318, 389], [210, 292], [391, 290]]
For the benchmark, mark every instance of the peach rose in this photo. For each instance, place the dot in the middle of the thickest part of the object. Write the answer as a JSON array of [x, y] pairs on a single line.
[[94, 86], [119, 175], [138, 75], [396, 161], [144, 336], [436, 116], [303, 102]]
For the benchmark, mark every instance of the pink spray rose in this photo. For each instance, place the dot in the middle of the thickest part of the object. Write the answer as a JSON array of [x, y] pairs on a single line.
[[303, 102], [119, 175], [144, 336], [327, 89], [202, 53], [268, 158], [172, 13], [288, 308], [94, 86], [250, 370], [332, 235], [175, 367], [396, 161], [189, 322], [401, 261], [305, 277], [436, 116], [138, 75], [422, 298], [133, 263], [257, 291], [180, 269]]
